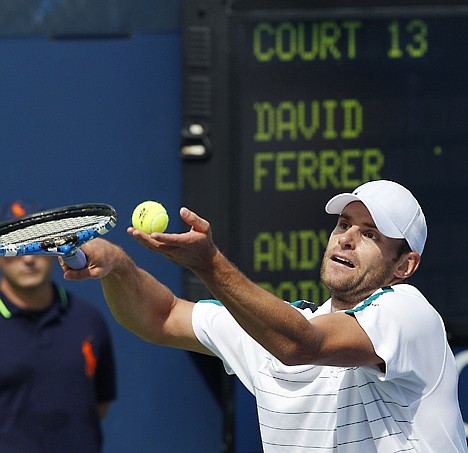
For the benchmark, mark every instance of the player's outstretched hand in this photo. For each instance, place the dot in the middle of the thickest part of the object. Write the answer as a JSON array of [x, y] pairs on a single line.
[[102, 256], [194, 249]]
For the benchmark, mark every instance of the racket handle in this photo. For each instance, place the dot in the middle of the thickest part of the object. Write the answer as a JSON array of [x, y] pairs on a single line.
[[77, 260]]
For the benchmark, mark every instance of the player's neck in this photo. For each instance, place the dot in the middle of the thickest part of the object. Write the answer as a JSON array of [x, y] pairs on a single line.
[[37, 298], [347, 301]]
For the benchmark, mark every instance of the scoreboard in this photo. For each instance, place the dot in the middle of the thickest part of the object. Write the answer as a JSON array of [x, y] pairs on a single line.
[[286, 104]]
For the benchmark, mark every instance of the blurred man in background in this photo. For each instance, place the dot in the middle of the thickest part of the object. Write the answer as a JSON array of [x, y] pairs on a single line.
[[57, 366]]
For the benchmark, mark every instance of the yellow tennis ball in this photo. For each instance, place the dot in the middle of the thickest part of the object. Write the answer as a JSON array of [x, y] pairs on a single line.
[[150, 217]]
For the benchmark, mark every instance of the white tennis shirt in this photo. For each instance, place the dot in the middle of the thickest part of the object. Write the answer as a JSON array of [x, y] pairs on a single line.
[[412, 407]]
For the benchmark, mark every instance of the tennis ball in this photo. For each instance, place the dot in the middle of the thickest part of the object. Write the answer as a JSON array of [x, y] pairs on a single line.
[[150, 217]]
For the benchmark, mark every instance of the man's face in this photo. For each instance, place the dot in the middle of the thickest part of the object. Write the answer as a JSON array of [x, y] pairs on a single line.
[[358, 259], [27, 272]]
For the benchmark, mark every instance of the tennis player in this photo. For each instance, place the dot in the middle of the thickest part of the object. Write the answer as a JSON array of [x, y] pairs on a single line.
[[369, 371]]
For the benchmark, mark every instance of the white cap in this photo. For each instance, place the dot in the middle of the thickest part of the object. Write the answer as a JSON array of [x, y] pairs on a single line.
[[395, 211]]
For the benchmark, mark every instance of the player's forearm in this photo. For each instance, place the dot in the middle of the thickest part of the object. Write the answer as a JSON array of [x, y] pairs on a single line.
[[137, 300], [274, 324]]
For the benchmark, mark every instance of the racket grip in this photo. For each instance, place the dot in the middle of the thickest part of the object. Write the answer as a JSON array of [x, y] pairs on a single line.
[[77, 260]]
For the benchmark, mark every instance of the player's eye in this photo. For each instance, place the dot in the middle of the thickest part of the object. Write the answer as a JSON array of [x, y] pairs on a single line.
[[370, 235], [343, 225]]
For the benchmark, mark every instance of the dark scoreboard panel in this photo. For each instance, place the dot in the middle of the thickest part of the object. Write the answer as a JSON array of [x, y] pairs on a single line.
[[299, 101]]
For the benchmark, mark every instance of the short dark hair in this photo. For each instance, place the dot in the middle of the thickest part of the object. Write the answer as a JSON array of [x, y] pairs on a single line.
[[403, 247]]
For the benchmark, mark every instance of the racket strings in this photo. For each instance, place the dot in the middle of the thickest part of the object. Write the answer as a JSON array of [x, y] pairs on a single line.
[[54, 228]]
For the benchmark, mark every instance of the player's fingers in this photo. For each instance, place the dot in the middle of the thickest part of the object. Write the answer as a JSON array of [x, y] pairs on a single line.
[[82, 274], [139, 235], [71, 274], [153, 238], [144, 238], [194, 220], [62, 263], [101, 257]]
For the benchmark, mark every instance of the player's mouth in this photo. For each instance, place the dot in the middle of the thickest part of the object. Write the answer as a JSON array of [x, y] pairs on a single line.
[[342, 261]]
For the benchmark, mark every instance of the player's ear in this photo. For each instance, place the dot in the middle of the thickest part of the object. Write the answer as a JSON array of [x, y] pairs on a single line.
[[407, 265]]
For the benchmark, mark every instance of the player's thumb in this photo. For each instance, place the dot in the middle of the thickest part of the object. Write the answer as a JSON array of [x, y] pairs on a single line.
[[194, 220]]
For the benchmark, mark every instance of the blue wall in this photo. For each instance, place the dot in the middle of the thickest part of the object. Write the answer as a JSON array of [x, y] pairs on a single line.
[[98, 121]]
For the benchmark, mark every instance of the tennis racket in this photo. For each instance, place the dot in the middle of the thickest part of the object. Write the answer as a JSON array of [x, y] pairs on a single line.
[[58, 232]]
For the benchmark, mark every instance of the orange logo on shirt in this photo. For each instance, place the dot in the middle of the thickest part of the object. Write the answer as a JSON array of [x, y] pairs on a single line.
[[90, 358], [17, 209]]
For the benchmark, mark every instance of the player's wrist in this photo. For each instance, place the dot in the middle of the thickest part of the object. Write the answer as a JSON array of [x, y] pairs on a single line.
[[211, 264]]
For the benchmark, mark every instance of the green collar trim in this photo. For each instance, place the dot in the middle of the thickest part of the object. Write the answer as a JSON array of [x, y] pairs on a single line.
[[211, 301], [4, 310], [62, 295], [369, 300]]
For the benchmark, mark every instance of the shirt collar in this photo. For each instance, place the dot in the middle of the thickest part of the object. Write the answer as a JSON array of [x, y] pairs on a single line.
[[9, 309]]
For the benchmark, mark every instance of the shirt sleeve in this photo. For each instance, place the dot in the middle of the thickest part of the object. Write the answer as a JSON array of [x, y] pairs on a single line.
[[216, 329], [408, 334]]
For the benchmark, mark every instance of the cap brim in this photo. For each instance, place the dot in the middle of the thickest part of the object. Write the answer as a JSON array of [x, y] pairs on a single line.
[[383, 223], [339, 202]]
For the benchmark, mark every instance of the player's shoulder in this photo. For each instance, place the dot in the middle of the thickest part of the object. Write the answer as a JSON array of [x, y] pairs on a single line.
[[399, 291], [398, 299], [407, 289], [403, 293]]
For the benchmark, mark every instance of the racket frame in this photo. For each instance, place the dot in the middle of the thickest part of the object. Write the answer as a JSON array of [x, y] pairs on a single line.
[[57, 244]]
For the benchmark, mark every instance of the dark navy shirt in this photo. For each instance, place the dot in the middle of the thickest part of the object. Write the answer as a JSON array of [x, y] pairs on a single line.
[[55, 367]]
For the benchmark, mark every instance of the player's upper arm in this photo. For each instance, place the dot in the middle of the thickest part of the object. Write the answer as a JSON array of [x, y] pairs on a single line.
[[177, 329], [339, 340]]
